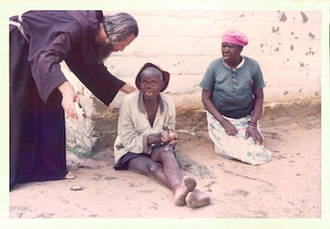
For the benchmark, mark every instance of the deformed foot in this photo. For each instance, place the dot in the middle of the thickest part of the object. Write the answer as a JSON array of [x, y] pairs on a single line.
[[184, 187], [197, 198], [69, 175]]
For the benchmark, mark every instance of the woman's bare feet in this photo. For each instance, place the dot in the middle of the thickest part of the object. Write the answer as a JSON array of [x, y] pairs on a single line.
[[197, 198], [69, 175], [182, 189]]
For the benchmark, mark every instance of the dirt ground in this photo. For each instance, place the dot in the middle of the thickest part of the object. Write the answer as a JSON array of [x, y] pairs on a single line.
[[287, 187]]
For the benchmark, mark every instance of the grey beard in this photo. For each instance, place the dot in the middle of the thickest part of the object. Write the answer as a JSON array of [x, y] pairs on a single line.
[[104, 50]]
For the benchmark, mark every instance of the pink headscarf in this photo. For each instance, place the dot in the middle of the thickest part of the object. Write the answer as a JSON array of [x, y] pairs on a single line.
[[235, 37]]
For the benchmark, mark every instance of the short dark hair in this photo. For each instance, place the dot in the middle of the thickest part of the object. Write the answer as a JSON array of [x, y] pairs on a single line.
[[157, 72]]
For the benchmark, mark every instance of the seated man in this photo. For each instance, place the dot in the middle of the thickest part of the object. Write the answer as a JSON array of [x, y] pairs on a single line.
[[146, 142]]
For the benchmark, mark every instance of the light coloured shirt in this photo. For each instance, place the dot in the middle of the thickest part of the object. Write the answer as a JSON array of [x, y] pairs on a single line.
[[134, 126]]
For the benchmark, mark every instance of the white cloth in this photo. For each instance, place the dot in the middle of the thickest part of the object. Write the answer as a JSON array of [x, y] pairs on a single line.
[[236, 147]]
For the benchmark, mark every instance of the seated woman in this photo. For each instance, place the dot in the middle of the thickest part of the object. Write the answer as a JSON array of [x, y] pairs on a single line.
[[233, 97], [145, 142]]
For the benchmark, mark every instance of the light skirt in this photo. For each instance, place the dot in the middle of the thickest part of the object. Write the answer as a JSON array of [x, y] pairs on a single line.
[[237, 147]]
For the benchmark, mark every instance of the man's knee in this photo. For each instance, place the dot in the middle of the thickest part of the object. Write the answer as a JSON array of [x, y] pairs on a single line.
[[167, 155], [153, 167]]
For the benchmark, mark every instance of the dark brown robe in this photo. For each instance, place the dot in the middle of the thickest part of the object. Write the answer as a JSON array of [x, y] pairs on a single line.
[[37, 123]]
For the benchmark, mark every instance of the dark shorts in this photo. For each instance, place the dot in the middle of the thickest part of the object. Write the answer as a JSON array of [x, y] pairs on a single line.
[[122, 164]]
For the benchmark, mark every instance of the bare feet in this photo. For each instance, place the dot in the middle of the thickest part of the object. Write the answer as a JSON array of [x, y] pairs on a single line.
[[69, 175], [183, 188], [197, 198]]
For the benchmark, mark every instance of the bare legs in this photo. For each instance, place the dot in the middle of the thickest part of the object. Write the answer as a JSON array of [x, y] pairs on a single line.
[[163, 167], [197, 198], [150, 168], [181, 190]]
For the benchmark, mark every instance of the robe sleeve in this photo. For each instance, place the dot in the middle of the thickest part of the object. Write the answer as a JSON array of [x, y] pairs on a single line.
[[45, 57], [96, 78], [46, 53]]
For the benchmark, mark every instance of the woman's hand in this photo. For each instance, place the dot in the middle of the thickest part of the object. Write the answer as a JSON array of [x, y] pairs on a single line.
[[254, 133], [229, 128], [209, 106], [69, 97]]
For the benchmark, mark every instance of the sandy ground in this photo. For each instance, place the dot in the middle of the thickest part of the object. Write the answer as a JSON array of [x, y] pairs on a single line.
[[287, 187]]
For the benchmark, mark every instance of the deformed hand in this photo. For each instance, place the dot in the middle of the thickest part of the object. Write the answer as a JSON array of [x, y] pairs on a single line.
[[173, 143], [173, 135], [165, 137], [169, 139]]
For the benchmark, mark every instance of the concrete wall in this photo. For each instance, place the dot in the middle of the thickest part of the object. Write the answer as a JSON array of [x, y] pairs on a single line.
[[287, 45]]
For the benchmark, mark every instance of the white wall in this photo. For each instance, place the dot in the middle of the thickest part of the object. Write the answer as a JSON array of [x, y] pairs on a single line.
[[287, 45]]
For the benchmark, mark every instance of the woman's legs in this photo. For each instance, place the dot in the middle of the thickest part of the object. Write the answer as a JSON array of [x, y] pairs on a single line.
[[236, 147]]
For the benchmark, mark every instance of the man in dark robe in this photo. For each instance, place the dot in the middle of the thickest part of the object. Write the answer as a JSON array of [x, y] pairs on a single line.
[[39, 91]]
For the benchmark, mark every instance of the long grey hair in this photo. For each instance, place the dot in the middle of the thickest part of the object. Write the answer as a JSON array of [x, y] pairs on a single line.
[[119, 27]]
